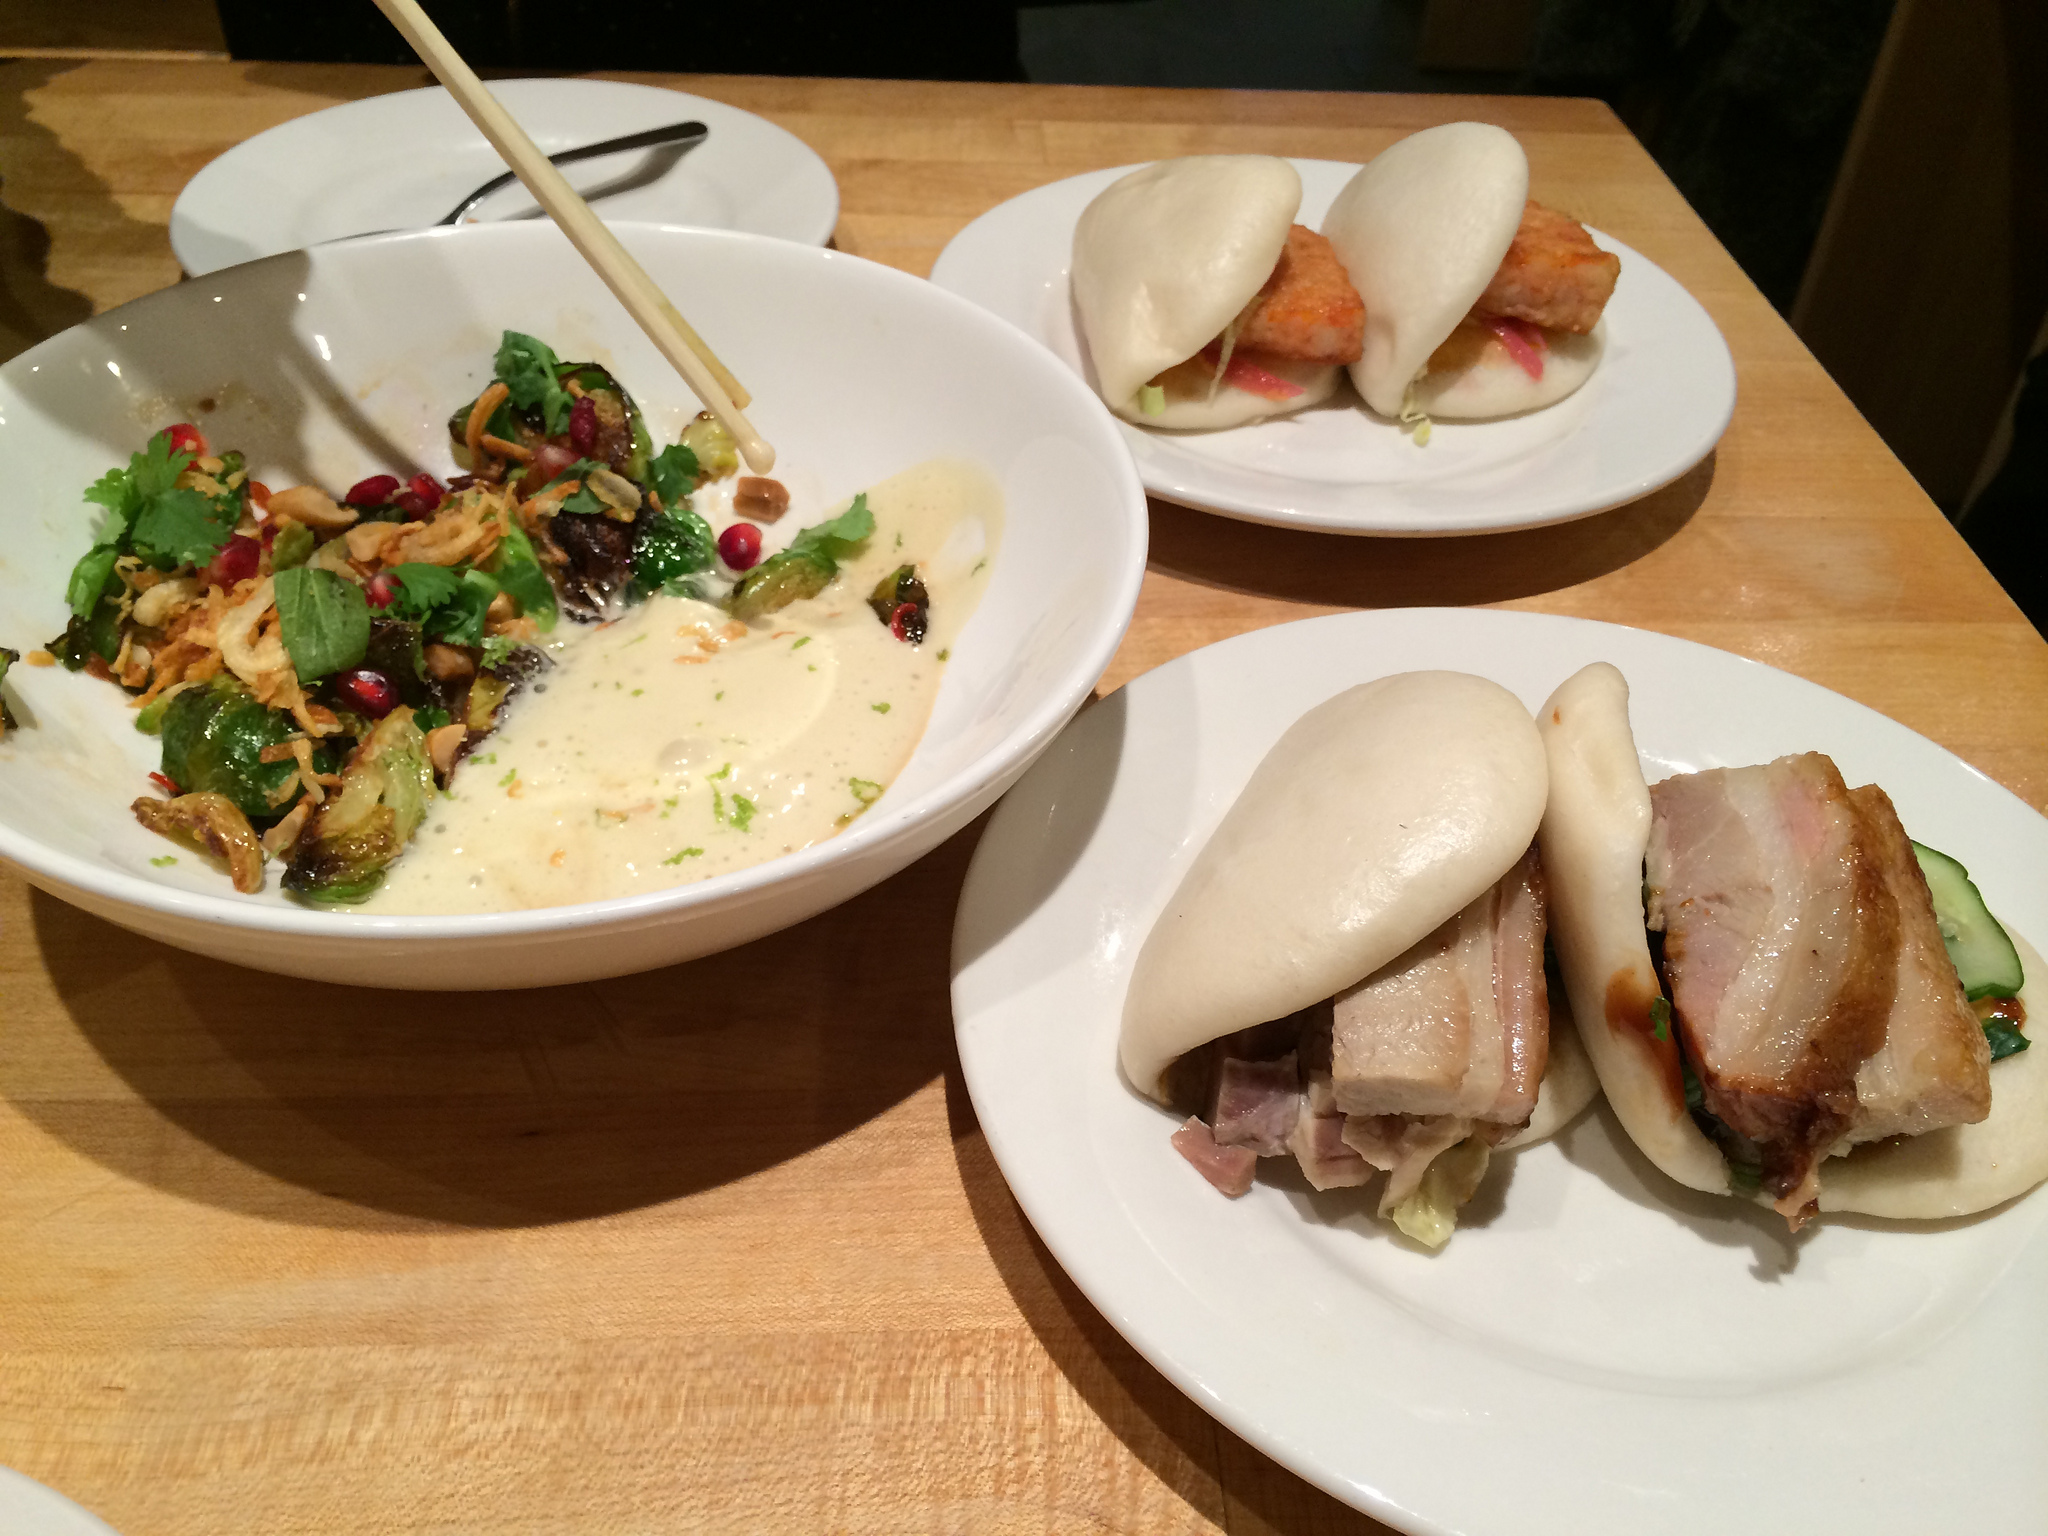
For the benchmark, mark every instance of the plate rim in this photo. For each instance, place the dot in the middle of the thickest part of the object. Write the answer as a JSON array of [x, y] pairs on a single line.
[[950, 270]]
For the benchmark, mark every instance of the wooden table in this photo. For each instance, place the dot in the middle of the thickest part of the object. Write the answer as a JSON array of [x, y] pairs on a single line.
[[721, 1247]]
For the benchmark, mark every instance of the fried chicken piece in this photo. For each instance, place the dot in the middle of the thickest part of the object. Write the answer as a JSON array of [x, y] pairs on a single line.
[[1553, 274], [1308, 309]]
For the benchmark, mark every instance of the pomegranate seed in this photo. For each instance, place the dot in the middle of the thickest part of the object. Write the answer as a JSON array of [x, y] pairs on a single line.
[[236, 561], [168, 786], [382, 591], [740, 546], [371, 692], [186, 438], [583, 426], [415, 506], [428, 489], [373, 492], [907, 624]]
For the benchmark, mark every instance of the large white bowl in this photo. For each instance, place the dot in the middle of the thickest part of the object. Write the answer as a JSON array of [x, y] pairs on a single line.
[[330, 364]]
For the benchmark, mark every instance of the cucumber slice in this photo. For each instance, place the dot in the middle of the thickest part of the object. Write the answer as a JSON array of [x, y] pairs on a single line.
[[1983, 956]]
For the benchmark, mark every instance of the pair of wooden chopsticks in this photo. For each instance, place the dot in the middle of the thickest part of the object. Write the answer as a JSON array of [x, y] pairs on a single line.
[[627, 279]]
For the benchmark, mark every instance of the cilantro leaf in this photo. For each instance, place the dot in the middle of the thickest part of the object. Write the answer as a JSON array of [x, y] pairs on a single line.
[[324, 619], [839, 537], [180, 528], [673, 474], [496, 648], [448, 607], [530, 370]]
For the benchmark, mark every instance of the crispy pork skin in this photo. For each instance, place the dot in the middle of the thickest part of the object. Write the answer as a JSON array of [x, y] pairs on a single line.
[[1459, 1025], [1230, 1169], [1781, 942], [1934, 1068], [1256, 1104]]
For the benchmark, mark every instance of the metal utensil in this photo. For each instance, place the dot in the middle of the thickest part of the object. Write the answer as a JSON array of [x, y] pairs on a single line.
[[685, 134]]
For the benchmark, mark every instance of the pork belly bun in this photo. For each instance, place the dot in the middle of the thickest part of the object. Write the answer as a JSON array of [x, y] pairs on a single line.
[[1766, 987], [1351, 972], [1202, 302], [1478, 302]]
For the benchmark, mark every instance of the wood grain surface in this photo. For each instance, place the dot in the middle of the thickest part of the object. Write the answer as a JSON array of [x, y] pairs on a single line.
[[721, 1248]]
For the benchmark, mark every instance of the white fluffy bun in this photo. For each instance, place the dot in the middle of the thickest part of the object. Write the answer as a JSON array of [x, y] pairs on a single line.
[[1378, 815], [1496, 385], [1595, 830], [1164, 259], [1421, 230]]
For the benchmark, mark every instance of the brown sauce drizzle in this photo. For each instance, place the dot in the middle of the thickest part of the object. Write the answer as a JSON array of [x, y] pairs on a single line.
[[1628, 1013]]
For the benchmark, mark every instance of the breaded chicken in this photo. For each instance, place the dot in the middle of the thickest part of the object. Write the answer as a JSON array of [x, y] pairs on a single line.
[[1553, 274], [1308, 308]]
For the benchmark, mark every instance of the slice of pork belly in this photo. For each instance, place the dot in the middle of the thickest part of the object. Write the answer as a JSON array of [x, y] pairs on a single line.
[[1459, 1025], [1230, 1169], [1317, 1141], [1781, 942], [1934, 1068], [1257, 1103]]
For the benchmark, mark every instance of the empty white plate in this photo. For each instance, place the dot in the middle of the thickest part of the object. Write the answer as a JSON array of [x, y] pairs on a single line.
[[403, 161]]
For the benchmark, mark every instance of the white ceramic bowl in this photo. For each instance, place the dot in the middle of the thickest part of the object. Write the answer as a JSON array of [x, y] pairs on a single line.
[[330, 364]]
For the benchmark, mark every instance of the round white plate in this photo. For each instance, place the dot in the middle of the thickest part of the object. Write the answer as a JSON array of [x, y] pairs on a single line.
[[1655, 407], [27, 1508], [1597, 1350], [402, 161]]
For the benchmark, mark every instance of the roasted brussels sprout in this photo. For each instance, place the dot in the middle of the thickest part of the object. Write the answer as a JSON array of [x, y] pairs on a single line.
[[214, 736], [347, 844]]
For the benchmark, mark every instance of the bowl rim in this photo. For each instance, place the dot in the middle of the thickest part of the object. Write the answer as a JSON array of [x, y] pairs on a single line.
[[1013, 751]]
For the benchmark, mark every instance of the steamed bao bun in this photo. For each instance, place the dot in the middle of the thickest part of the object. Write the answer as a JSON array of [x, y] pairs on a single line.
[[1165, 259], [1421, 230]]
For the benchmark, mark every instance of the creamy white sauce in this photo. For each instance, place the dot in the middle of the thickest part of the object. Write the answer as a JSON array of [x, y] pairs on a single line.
[[674, 744]]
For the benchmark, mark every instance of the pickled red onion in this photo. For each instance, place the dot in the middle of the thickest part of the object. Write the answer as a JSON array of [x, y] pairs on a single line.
[[1524, 341], [1252, 379]]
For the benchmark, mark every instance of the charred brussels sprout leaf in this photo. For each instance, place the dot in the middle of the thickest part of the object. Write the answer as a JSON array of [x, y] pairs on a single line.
[[673, 545], [397, 650], [518, 571], [779, 581], [901, 602], [366, 822], [716, 453], [213, 742]]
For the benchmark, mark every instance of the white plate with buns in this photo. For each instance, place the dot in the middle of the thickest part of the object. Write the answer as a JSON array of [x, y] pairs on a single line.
[[1655, 406]]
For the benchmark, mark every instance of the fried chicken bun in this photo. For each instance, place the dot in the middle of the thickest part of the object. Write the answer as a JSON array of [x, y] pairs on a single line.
[[1478, 302], [1804, 1038], [1202, 303], [1351, 970]]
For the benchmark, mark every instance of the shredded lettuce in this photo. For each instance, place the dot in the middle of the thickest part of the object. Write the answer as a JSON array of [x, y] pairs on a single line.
[[1152, 400], [1430, 1214], [1414, 417]]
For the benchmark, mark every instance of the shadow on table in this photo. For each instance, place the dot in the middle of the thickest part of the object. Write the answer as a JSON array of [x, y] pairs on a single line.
[[1221, 1477], [354, 1108], [1404, 573]]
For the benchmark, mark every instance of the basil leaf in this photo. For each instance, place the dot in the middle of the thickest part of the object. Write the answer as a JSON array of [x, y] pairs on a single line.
[[179, 528], [324, 619], [89, 578], [530, 370]]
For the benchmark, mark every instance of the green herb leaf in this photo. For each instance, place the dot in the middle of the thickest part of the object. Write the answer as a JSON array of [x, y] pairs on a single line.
[[866, 791], [496, 648], [2004, 1038], [293, 545], [324, 620], [447, 605], [742, 812], [89, 579], [423, 588], [687, 853], [518, 571], [673, 474], [530, 370], [430, 717], [180, 528], [837, 538], [1660, 1018]]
